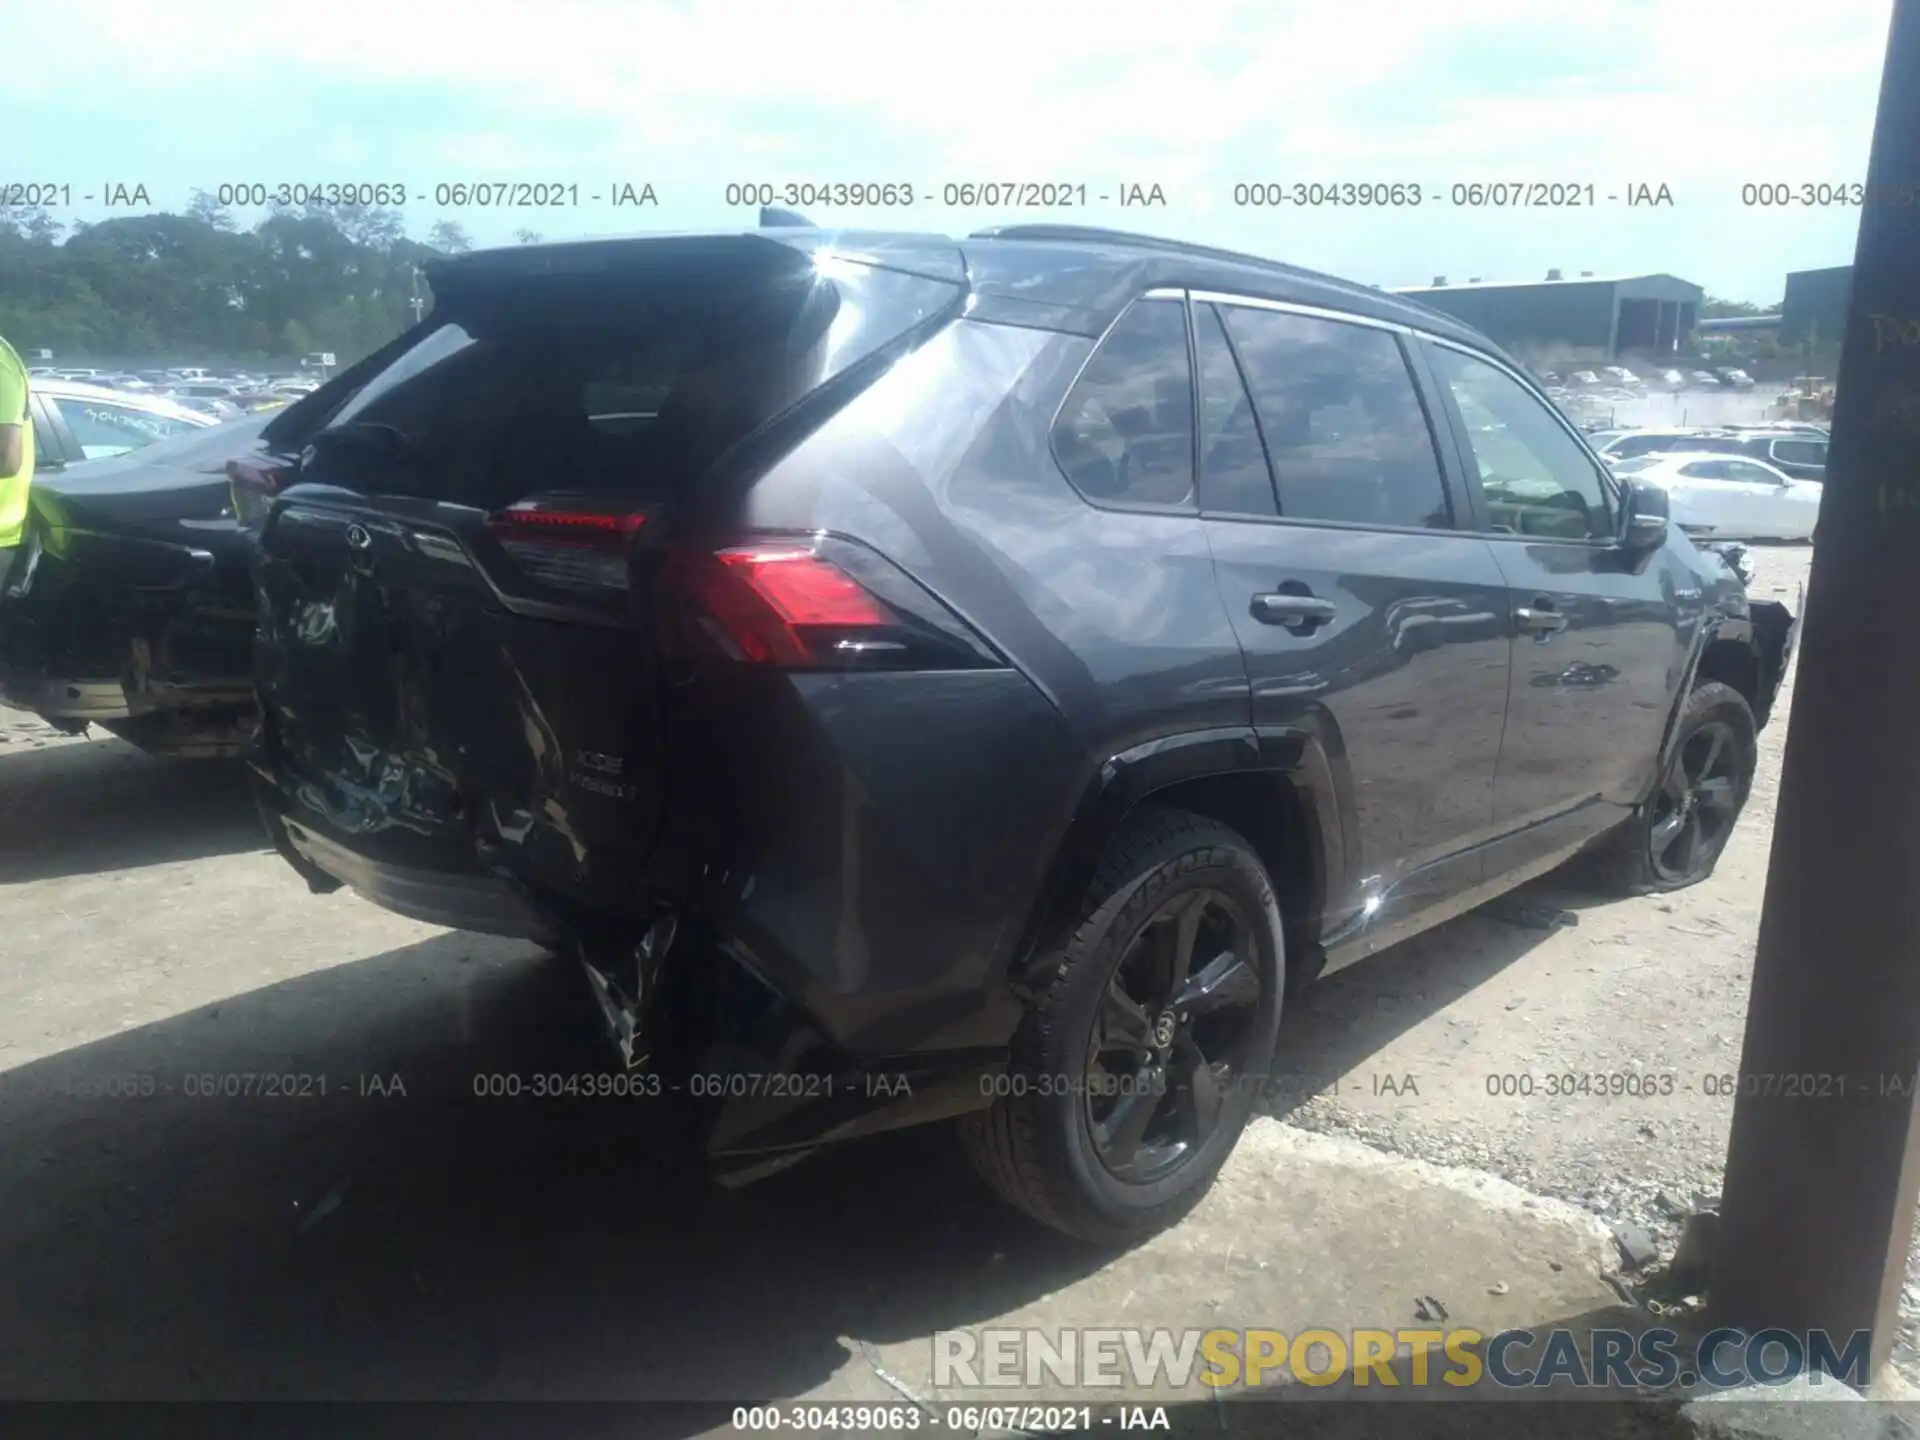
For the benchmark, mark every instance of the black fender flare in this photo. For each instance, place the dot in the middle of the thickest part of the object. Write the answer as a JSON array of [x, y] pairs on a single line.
[[1301, 756], [1741, 630]]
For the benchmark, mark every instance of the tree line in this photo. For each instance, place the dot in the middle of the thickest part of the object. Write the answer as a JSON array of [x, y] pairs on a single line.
[[201, 287]]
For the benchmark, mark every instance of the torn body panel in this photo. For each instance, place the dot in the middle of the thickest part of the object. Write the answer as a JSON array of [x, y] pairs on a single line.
[[129, 605], [148, 638]]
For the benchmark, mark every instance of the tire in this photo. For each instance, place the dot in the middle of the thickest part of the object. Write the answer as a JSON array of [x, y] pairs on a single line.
[[1055, 1145], [1639, 857]]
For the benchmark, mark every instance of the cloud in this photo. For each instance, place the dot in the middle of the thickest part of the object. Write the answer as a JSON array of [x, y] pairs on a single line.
[[1064, 87], [1192, 96]]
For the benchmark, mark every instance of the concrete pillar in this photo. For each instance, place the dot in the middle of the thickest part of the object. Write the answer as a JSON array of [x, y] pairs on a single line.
[[1823, 1167]]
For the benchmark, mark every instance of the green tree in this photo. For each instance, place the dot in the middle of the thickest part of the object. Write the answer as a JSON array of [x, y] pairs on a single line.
[[198, 286], [451, 237]]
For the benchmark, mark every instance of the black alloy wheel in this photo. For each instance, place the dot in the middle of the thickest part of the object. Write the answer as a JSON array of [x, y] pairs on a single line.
[[1146, 1046], [1171, 1037], [1676, 837], [1694, 811]]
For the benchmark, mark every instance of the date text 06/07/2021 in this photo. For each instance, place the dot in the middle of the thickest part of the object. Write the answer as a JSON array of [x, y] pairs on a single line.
[[700, 1085]]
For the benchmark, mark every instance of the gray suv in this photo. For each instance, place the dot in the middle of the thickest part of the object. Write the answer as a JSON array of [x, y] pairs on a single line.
[[924, 679]]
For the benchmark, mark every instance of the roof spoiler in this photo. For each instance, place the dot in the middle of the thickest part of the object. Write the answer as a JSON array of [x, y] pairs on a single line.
[[772, 218]]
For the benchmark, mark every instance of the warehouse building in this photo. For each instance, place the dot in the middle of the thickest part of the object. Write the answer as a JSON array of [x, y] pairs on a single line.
[[1816, 305], [1585, 318]]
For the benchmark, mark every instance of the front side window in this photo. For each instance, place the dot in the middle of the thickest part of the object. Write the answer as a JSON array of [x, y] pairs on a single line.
[[1125, 434], [1534, 477], [1343, 423]]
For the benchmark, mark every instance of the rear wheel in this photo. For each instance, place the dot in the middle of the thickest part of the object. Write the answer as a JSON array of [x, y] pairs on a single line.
[[1135, 1073], [1678, 837]]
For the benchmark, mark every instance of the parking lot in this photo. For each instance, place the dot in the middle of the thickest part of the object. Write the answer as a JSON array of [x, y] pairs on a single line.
[[364, 1225]]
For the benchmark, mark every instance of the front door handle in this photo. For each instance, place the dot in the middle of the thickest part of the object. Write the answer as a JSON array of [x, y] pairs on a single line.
[[1540, 619], [1299, 613]]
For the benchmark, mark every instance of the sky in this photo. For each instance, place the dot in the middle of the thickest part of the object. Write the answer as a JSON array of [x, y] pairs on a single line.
[[1198, 98]]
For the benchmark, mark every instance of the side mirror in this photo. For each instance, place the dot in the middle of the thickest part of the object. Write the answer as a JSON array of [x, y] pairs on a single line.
[[1644, 517]]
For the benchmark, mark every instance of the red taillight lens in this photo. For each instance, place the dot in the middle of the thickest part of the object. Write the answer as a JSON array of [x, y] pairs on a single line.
[[574, 546], [781, 605]]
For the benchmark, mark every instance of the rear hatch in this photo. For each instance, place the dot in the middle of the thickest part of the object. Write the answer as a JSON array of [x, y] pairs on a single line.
[[458, 656]]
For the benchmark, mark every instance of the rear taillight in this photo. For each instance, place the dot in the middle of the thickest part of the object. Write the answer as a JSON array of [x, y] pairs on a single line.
[[574, 544], [823, 604]]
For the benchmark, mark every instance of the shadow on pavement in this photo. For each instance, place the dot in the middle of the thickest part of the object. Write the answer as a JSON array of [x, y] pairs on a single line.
[[85, 808], [423, 1243]]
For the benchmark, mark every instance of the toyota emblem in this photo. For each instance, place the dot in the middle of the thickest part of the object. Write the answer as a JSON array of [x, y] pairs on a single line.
[[359, 538]]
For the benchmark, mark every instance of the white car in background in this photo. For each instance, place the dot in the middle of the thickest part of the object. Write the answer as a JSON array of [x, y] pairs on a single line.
[[1729, 497]]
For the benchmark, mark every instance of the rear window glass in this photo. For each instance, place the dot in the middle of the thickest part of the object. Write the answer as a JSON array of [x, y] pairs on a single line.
[[623, 381]]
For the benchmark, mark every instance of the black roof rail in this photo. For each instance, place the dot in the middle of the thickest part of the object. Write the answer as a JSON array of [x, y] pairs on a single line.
[[776, 219], [1098, 235]]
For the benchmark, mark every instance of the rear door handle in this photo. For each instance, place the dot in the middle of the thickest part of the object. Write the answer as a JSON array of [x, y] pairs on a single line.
[[1298, 613], [1540, 618]]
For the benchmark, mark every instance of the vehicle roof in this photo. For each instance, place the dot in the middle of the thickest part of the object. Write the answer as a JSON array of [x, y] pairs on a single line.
[[153, 404], [1765, 432], [1665, 458], [1080, 276]]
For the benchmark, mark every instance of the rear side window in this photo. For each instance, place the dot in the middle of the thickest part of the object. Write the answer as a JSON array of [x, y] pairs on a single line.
[[1342, 421], [630, 380], [1234, 478], [1124, 436], [1800, 452]]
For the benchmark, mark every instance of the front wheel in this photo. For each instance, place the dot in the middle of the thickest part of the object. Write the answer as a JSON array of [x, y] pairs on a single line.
[[1678, 836], [1136, 1071]]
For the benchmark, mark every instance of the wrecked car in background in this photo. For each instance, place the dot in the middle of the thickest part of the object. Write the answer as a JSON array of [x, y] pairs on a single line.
[[131, 605]]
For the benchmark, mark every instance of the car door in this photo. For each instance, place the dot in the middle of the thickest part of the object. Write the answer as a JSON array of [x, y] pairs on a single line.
[[1595, 633], [1708, 493], [1373, 627], [1783, 508]]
